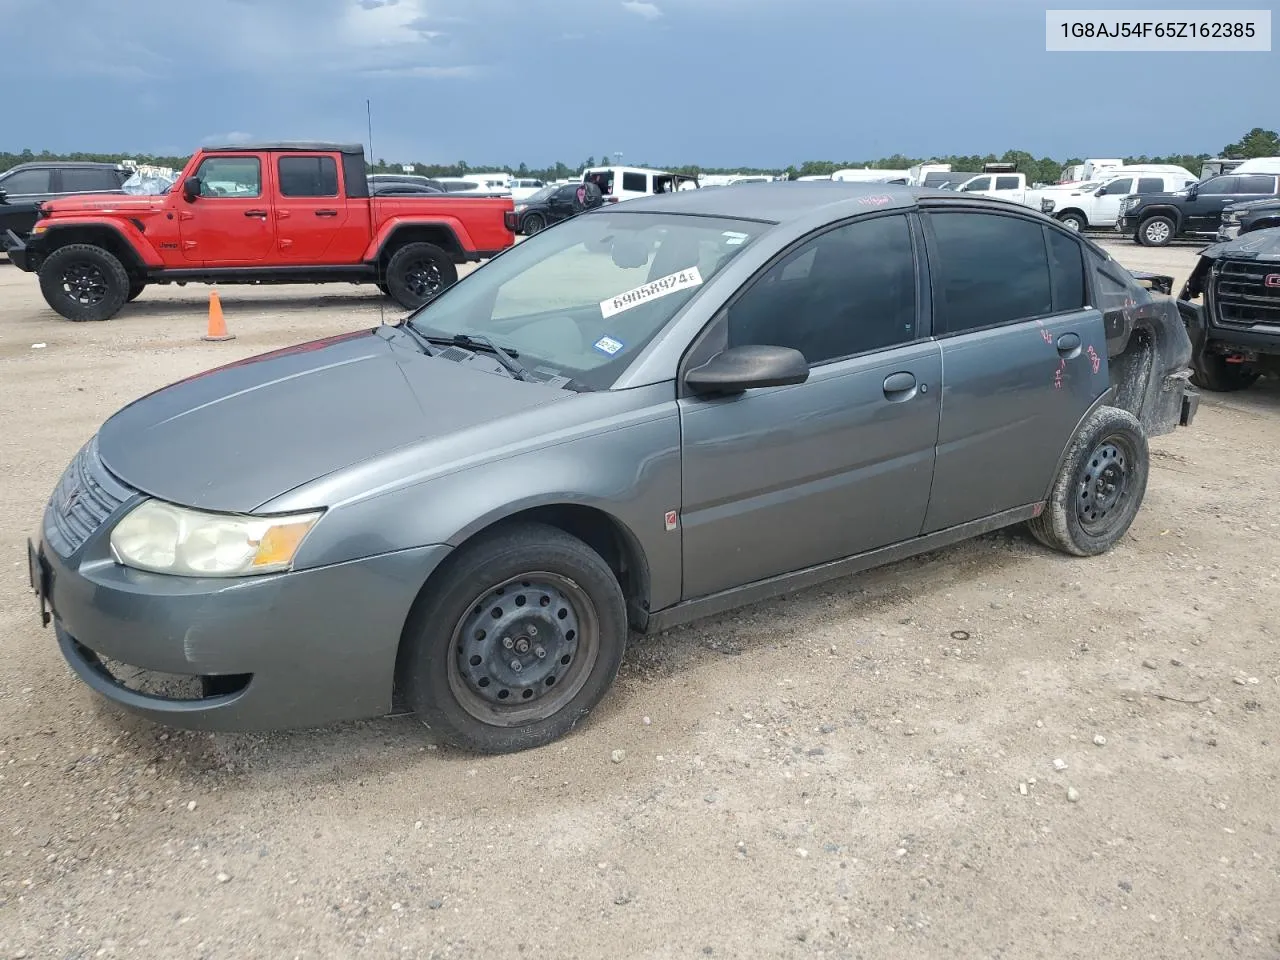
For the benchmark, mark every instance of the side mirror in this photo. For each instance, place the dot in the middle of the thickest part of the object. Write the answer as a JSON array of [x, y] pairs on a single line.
[[191, 189], [4, 197], [1100, 192], [747, 368], [1193, 191]]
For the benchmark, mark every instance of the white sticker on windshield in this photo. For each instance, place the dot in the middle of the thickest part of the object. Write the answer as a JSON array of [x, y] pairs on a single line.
[[733, 239], [681, 280]]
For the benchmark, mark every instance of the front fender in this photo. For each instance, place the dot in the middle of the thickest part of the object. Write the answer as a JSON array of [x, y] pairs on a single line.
[[384, 235], [1159, 210], [125, 230]]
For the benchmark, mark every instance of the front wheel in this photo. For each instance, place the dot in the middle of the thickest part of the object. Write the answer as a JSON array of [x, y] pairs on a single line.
[[83, 282], [513, 644], [1212, 371], [418, 272], [1099, 487], [1073, 221], [533, 223], [1156, 232]]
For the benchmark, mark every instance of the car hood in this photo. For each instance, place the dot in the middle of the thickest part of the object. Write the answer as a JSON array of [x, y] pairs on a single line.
[[1246, 206], [125, 203], [1258, 245], [240, 435]]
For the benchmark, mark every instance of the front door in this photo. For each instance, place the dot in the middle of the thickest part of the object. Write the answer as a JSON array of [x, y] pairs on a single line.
[[230, 224], [778, 479], [1106, 206], [1023, 358], [1203, 213]]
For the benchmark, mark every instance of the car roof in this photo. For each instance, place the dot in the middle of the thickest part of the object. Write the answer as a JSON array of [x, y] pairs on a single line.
[[288, 146], [783, 201]]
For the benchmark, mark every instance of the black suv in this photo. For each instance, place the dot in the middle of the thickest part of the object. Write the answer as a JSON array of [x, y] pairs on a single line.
[[1247, 216], [1235, 329], [1156, 219], [24, 187], [551, 205]]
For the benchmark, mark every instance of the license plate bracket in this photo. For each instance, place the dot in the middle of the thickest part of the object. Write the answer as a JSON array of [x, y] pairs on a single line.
[[39, 575]]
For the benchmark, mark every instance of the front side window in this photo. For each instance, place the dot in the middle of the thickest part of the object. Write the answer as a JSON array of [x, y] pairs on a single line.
[[1119, 187], [1219, 185], [311, 177], [583, 299], [845, 292], [982, 183], [991, 270], [230, 177]]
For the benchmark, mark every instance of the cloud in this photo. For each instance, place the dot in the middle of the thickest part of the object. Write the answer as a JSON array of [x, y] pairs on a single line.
[[233, 138], [375, 4], [640, 8], [436, 73]]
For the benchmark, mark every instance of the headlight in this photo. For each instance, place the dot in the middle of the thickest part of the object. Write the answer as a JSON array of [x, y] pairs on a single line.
[[1230, 217], [164, 538], [521, 207], [1132, 202]]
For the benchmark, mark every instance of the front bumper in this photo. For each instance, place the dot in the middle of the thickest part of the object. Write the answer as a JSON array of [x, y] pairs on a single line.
[[293, 650], [1127, 224], [1228, 231], [18, 251]]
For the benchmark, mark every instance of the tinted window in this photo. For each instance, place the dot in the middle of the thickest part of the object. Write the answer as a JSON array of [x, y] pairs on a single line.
[[1257, 184], [230, 177], [1150, 185], [638, 182], [1219, 185], [26, 181], [88, 180], [850, 290], [991, 270], [1119, 186], [1006, 183], [310, 177], [982, 183], [1066, 264]]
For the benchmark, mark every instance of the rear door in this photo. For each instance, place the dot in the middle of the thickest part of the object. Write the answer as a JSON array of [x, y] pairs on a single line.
[[1023, 358], [310, 209], [230, 224], [778, 479]]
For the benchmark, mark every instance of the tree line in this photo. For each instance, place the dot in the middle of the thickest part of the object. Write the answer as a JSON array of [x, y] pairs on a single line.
[[1256, 143]]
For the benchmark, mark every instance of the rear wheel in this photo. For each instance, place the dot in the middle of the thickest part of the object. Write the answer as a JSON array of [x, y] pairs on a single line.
[[1156, 232], [1212, 371], [1099, 488], [418, 272], [532, 224], [83, 282], [513, 644]]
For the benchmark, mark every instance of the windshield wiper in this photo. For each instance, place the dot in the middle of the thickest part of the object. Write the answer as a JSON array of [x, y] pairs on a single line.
[[472, 341]]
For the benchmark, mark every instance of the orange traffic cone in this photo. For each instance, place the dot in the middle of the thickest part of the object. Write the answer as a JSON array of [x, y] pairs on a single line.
[[217, 325]]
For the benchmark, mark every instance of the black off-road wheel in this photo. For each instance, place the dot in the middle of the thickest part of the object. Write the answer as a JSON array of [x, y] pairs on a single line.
[[419, 272], [83, 282], [512, 644], [1211, 371], [1099, 487], [135, 290], [1156, 232], [533, 223]]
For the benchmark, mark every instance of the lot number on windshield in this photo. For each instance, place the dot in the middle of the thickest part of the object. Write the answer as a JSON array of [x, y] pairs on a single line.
[[681, 280]]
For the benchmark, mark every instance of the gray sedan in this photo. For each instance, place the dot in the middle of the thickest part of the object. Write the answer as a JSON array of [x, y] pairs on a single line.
[[649, 413]]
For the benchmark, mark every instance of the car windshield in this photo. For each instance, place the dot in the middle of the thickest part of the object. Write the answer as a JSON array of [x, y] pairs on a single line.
[[581, 299], [541, 194]]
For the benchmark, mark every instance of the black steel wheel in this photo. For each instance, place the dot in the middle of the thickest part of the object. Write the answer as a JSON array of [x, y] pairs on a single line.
[[1099, 487], [514, 640], [533, 223], [83, 282], [419, 272]]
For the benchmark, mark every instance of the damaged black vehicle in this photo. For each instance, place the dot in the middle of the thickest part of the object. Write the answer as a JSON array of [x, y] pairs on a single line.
[[1235, 327]]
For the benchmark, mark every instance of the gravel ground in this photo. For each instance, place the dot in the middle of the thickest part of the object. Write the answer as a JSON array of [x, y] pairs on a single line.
[[992, 751]]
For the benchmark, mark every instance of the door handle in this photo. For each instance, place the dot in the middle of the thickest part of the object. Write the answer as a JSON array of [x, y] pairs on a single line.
[[1069, 345], [261, 214], [900, 386], [326, 213]]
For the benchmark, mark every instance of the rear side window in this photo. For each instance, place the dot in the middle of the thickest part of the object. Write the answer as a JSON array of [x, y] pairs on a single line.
[[635, 182], [308, 177], [1150, 185], [991, 270], [1006, 183], [89, 180], [1257, 184], [26, 181]]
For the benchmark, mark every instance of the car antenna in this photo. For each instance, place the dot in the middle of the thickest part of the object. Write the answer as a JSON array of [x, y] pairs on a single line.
[[368, 116]]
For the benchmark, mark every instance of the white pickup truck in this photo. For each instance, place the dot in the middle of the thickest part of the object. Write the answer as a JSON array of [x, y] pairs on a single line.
[[1003, 185], [1096, 204]]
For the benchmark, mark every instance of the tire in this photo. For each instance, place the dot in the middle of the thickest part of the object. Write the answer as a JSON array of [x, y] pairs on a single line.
[[135, 290], [83, 282], [386, 291], [417, 273], [1156, 231], [1211, 371], [533, 223], [1099, 487], [481, 703], [1073, 220]]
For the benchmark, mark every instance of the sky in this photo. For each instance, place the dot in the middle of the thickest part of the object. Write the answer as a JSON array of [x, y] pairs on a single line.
[[761, 83]]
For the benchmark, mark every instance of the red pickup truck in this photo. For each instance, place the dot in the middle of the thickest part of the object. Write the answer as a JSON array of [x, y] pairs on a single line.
[[263, 213]]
